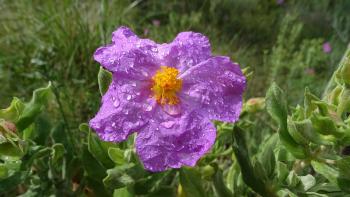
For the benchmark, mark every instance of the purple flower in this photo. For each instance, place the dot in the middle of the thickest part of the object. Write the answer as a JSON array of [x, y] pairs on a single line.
[[167, 93], [327, 47]]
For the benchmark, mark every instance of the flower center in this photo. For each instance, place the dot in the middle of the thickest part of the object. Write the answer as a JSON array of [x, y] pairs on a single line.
[[166, 85]]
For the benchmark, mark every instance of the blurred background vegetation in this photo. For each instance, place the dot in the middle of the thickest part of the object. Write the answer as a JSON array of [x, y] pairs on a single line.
[[295, 43], [43, 41]]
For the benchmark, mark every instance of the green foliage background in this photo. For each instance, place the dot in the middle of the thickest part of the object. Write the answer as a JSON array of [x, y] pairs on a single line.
[[52, 153]]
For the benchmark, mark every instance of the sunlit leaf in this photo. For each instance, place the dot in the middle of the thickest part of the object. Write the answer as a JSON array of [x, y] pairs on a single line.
[[191, 182]]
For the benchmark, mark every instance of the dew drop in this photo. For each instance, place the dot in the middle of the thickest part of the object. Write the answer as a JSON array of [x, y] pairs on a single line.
[[126, 112], [144, 73], [116, 102], [147, 107], [168, 124]]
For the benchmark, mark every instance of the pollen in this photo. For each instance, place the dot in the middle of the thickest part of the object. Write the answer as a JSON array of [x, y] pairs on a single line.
[[166, 85]]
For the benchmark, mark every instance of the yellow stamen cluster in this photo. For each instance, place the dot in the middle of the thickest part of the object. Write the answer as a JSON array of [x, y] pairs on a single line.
[[166, 85]]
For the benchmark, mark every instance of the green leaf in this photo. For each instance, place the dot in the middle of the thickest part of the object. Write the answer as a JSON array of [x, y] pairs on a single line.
[[282, 155], [344, 167], [325, 125], [276, 105], [3, 171], [330, 173], [57, 152], [12, 181], [42, 130], [104, 79], [325, 187], [286, 193], [9, 149], [266, 155], [344, 101], [308, 181], [28, 133], [304, 132], [151, 183], [117, 155], [294, 132], [253, 180], [333, 97], [99, 150], [122, 176], [97, 187], [190, 181], [93, 168], [13, 112], [292, 179], [122, 192], [345, 71], [282, 171], [34, 107], [309, 104], [33, 153], [84, 127], [344, 174], [232, 177], [219, 185], [58, 134], [168, 190]]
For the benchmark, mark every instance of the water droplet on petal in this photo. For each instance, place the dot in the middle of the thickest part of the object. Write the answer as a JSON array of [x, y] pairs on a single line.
[[168, 124], [128, 97], [147, 107], [154, 49], [116, 102], [144, 73]]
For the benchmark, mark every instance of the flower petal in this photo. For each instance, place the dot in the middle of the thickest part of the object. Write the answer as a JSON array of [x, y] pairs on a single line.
[[171, 142], [126, 107], [215, 88], [129, 54], [186, 50]]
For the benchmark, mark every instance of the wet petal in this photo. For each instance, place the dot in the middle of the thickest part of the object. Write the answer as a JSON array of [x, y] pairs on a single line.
[[186, 50], [171, 142], [129, 55], [126, 107], [215, 88]]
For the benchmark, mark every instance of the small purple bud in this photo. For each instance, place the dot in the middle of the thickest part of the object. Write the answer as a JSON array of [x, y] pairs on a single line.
[[279, 2], [156, 22], [327, 47]]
